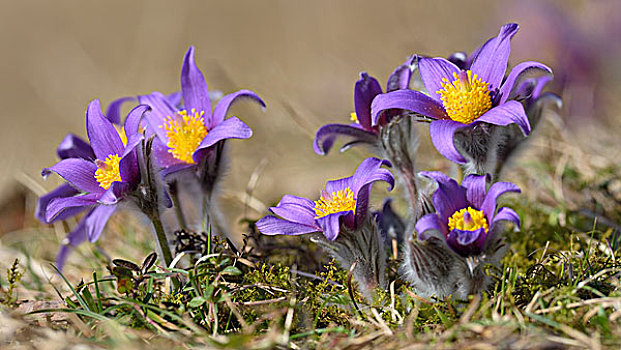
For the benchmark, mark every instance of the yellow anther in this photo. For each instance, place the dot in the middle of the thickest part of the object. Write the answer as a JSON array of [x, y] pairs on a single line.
[[185, 133], [335, 202], [468, 219], [466, 98], [108, 171], [354, 118]]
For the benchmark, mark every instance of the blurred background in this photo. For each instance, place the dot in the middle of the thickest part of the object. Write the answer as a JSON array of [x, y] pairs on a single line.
[[301, 57]]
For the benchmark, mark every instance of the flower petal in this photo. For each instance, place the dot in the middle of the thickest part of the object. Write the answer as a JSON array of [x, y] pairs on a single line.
[[73, 239], [517, 75], [441, 132], [399, 79], [231, 128], [194, 87], [410, 100], [271, 225], [449, 197], [96, 221], [497, 189], [114, 193], [370, 170], [128, 165], [476, 186], [160, 110], [365, 90], [104, 138], [490, 63], [510, 112], [114, 109], [327, 134], [331, 224], [58, 204], [507, 214], [134, 117], [78, 172], [296, 209], [339, 185], [433, 71], [73, 146], [466, 243], [227, 101], [64, 190], [430, 222]]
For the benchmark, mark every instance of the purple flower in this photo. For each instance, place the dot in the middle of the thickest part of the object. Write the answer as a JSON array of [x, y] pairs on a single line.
[[464, 98], [97, 178], [362, 130], [465, 215], [185, 137], [344, 201]]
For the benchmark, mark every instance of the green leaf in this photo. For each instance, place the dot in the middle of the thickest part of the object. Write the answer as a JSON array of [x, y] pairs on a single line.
[[196, 302], [231, 270]]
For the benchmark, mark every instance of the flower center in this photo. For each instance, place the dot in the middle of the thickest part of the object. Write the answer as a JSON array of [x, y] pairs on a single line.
[[334, 203], [108, 171], [185, 135], [466, 98], [468, 219]]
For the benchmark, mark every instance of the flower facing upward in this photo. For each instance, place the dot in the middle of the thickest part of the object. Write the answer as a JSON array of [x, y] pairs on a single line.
[[343, 202], [465, 215]]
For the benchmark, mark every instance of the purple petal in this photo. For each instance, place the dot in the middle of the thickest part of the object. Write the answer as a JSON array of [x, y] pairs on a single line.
[[365, 90], [449, 197], [441, 132], [459, 59], [491, 61], [64, 190], [400, 77], [271, 225], [174, 99], [410, 100], [132, 122], [327, 134], [507, 214], [511, 112], [160, 110], [466, 243], [73, 239], [78, 172], [103, 136], [370, 170], [114, 193], [227, 101], [73, 146], [114, 109], [331, 224], [339, 185], [162, 156], [430, 222], [58, 204], [296, 209], [128, 165], [96, 221], [517, 74], [476, 186], [194, 87], [231, 128], [433, 71], [175, 168], [497, 189]]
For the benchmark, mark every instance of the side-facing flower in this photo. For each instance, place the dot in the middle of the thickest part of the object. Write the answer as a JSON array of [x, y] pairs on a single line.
[[361, 130], [464, 99], [343, 202]]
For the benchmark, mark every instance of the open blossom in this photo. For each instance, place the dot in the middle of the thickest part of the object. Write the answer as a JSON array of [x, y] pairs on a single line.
[[465, 214], [463, 97], [185, 136], [342, 202], [361, 130]]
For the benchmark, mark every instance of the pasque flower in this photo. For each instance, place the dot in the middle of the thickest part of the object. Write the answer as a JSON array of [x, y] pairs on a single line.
[[342, 202], [361, 130], [467, 97]]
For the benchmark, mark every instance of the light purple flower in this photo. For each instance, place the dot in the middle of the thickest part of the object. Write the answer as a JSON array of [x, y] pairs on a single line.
[[459, 99], [185, 137], [361, 131], [343, 202], [465, 215]]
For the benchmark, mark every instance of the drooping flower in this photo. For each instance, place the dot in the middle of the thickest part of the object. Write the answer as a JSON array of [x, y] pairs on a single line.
[[361, 130], [467, 98], [342, 202]]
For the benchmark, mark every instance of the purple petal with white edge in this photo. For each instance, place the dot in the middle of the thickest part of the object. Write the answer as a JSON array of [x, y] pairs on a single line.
[[73, 239], [64, 190], [73, 146], [104, 138], [331, 224], [449, 197], [160, 110], [517, 73], [442, 132], [271, 225], [410, 100], [339, 185], [80, 173], [497, 189], [58, 204], [132, 122], [128, 165], [231, 128], [466, 243], [476, 186], [327, 134], [227, 101], [490, 63], [114, 109], [399, 79], [433, 71], [430, 222], [296, 209], [510, 112], [507, 214], [365, 90], [194, 87], [96, 221], [114, 193]]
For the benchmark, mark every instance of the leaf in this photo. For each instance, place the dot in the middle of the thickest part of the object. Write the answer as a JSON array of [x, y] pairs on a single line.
[[196, 302], [148, 262], [126, 264], [231, 270]]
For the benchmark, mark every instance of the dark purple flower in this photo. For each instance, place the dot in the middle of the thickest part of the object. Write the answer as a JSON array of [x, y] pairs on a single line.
[[463, 98], [465, 215], [362, 130], [344, 201], [186, 136]]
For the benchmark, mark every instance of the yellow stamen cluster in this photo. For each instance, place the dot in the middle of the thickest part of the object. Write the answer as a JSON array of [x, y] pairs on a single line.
[[108, 171], [335, 202], [185, 134], [354, 118], [466, 98], [473, 220]]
